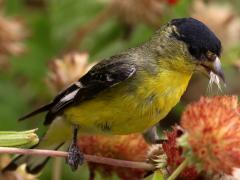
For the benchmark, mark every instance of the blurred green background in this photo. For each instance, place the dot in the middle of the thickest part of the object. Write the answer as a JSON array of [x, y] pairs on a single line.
[[51, 27]]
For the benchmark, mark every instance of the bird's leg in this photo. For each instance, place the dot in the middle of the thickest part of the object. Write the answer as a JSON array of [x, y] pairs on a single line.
[[75, 156]]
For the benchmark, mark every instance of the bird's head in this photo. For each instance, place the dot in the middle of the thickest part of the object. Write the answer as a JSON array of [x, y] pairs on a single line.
[[194, 43]]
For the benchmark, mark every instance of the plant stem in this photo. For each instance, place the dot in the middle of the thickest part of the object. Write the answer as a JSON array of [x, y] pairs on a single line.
[[90, 158], [57, 169], [179, 169]]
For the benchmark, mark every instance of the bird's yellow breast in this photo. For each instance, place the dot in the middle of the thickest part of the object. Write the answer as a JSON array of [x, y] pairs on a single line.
[[123, 111]]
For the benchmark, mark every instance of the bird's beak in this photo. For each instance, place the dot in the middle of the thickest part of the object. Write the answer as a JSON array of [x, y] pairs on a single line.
[[214, 67], [217, 69]]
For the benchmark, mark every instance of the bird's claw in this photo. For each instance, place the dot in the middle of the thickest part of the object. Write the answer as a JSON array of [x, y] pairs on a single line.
[[75, 157]]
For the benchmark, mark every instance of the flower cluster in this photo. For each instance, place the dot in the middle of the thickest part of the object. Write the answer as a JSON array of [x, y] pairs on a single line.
[[149, 12], [12, 34], [212, 128], [124, 147], [66, 70], [174, 155]]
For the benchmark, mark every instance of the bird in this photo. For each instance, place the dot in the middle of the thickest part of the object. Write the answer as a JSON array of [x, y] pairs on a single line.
[[129, 92]]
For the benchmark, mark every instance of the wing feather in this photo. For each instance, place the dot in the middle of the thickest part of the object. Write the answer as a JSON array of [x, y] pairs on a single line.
[[104, 75]]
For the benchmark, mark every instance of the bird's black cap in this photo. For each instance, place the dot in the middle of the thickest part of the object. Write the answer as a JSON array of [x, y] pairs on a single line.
[[198, 37]]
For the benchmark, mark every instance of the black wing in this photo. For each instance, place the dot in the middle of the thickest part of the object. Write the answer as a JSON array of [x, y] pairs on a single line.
[[105, 74]]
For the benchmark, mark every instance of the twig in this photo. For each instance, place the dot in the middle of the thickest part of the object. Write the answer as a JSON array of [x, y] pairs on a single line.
[[89, 158]]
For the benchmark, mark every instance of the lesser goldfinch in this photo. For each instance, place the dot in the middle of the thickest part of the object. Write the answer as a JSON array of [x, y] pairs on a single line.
[[129, 92]]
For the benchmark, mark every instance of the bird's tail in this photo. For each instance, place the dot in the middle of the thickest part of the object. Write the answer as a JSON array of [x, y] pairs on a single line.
[[37, 111], [34, 164]]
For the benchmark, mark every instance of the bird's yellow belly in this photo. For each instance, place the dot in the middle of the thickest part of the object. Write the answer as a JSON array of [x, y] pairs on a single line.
[[123, 112]]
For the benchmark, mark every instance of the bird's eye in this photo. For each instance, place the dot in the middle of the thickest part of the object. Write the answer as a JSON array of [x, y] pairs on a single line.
[[211, 56]]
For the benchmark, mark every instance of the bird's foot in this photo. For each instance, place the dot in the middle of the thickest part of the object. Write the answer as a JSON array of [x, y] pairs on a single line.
[[75, 157]]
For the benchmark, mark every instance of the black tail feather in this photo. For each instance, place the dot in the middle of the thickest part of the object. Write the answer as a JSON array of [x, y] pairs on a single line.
[[12, 166], [37, 111], [38, 168]]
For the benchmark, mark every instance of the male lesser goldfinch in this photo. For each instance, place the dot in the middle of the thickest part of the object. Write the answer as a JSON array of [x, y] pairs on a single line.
[[129, 92]]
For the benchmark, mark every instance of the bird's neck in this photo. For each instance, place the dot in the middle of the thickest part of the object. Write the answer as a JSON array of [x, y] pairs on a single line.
[[169, 55]]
